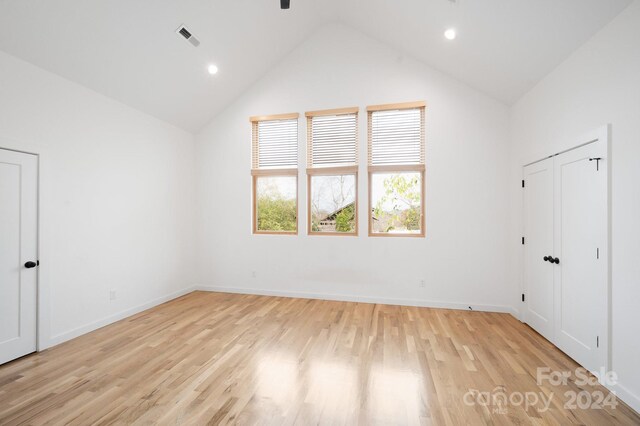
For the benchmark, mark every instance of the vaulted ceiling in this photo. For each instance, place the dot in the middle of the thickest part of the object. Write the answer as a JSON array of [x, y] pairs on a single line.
[[128, 49]]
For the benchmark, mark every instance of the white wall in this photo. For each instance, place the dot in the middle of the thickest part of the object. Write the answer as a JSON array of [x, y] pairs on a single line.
[[463, 256], [116, 199], [598, 84]]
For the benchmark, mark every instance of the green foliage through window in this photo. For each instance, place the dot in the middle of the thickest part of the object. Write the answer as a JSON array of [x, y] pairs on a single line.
[[276, 205], [397, 201], [345, 220]]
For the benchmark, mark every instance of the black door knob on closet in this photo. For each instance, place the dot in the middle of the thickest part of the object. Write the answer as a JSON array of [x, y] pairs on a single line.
[[30, 264], [546, 258], [556, 260]]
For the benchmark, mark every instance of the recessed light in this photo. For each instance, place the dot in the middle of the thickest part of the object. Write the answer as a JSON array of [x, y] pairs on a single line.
[[450, 34], [212, 69]]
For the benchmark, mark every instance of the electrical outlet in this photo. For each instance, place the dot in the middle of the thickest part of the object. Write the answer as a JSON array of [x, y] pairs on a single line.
[[422, 284], [112, 295]]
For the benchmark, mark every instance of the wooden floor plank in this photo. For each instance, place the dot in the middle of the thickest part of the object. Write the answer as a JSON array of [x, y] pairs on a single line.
[[215, 358]]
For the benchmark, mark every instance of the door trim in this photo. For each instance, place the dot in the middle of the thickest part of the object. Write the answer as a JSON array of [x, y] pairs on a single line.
[[562, 152], [600, 135], [38, 244]]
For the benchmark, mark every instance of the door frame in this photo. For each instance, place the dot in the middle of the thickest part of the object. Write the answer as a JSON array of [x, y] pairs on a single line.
[[602, 136], [39, 328]]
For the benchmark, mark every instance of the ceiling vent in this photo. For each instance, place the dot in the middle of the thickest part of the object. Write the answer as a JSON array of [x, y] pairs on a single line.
[[183, 32]]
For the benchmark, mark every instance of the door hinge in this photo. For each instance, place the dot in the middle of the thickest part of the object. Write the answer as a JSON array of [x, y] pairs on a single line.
[[597, 341], [523, 183], [597, 252], [523, 297], [522, 240]]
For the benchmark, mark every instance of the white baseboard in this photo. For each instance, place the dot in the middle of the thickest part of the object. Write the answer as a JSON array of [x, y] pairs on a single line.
[[87, 328], [621, 391], [362, 299], [625, 395]]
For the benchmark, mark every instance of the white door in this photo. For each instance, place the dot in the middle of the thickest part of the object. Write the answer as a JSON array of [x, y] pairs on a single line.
[[580, 243], [538, 231], [18, 245]]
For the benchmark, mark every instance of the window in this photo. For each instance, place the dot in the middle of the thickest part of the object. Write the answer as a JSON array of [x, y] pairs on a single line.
[[396, 169], [332, 172], [274, 170]]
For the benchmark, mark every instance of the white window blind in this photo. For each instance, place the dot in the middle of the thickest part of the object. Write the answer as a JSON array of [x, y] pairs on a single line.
[[332, 140], [275, 144], [397, 136]]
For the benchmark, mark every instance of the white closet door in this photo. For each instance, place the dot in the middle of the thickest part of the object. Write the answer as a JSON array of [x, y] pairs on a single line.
[[538, 224], [580, 241], [18, 245]]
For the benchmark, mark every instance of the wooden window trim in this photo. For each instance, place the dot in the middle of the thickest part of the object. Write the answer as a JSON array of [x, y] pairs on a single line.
[[401, 105], [400, 168], [334, 111], [254, 210], [256, 173], [289, 116], [274, 172], [331, 171]]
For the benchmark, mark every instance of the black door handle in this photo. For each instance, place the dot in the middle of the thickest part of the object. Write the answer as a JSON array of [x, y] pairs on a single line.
[[556, 260], [546, 258], [30, 264]]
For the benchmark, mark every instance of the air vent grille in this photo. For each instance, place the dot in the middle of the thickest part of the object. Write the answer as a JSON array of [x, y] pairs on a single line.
[[185, 33], [188, 36]]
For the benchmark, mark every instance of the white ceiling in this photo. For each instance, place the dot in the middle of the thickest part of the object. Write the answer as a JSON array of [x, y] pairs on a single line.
[[503, 47], [128, 50]]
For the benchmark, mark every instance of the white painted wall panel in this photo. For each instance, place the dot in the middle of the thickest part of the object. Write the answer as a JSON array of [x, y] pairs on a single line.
[[117, 200]]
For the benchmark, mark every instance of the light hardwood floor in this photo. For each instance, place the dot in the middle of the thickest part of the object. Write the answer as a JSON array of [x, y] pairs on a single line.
[[222, 358]]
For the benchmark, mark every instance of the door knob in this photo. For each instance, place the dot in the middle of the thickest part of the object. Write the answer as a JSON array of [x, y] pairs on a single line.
[[30, 264], [556, 260], [546, 258]]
